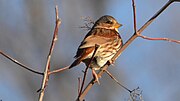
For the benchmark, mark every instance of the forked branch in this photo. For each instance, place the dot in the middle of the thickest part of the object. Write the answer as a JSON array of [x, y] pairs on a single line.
[[85, 72], [91, 83], [47, 68]]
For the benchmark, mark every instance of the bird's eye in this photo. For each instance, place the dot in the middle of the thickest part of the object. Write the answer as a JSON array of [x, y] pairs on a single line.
[[109, 22]]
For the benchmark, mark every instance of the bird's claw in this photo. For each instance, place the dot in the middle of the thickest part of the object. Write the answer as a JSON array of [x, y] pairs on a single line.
[[96, 79], [111, 62]]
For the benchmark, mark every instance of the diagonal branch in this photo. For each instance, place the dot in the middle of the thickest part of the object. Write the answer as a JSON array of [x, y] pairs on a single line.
[[85, 72], [47, 68], [91, 83], [89, 21], [112, 77], [20, 64]]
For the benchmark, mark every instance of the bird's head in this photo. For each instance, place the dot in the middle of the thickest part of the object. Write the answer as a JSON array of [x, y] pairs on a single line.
[[107, 22]]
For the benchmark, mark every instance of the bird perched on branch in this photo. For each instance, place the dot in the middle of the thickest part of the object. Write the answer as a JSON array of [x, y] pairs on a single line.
[[105, 34]]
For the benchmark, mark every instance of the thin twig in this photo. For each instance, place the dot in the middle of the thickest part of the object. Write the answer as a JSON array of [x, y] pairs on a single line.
[[145, 37], [136, 33], [88, 23], [85, 72], [79, 85], [136, 94], [163, 39], [140, 30], [89, 86], [58, 70], [134, 16], [47, 68], [112, 77], [20, 64], [89, 20]]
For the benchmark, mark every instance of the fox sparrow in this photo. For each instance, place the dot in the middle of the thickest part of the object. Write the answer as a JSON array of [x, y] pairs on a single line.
[[105, 34]]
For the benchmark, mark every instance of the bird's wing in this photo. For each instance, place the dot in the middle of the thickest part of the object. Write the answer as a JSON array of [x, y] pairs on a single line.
[[81, 55], [91, 40]]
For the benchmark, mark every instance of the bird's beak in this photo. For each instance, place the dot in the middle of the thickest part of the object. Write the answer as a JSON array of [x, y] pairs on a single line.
[[117, 25]]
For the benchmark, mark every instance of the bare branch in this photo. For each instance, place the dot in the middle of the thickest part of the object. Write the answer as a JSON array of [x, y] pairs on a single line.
[[145, 37], [58, 70], [163, 39], [136, 95], [134, 16], [88, 23], [175, 0], [79, 85], [20, 64], [47, 68], [85, 72], [112, 77], [89, 86]]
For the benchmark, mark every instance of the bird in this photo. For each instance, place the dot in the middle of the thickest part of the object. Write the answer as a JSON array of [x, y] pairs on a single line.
[[105, 35]]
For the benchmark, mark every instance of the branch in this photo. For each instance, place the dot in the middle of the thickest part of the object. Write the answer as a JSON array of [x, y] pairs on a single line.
[[134, 16], [136, 95], [175, 0], [79, 85], [58, 70], [47, 68], [140, 30], [163, 39], [148, 38], [20, 64], [89, 86], [87, 26], [85, 72], [88, 23], [112, 77]]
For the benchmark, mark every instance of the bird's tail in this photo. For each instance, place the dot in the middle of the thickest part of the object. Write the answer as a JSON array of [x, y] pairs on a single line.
[[75, 63]]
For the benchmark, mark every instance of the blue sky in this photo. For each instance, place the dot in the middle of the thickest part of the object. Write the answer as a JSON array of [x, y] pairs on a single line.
[[26, 32]]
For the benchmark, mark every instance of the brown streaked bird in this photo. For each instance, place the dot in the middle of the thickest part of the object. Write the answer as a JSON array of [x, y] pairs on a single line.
[[105, 34]]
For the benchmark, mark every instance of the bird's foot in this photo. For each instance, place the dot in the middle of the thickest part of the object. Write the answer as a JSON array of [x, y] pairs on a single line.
[[111, 62], [95, 77]]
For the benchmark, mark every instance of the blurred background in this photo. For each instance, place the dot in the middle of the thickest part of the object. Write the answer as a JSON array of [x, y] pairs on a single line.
[[26, 29]]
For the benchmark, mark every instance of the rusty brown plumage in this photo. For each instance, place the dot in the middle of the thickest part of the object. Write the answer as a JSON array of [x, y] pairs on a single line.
[[105, 34]]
